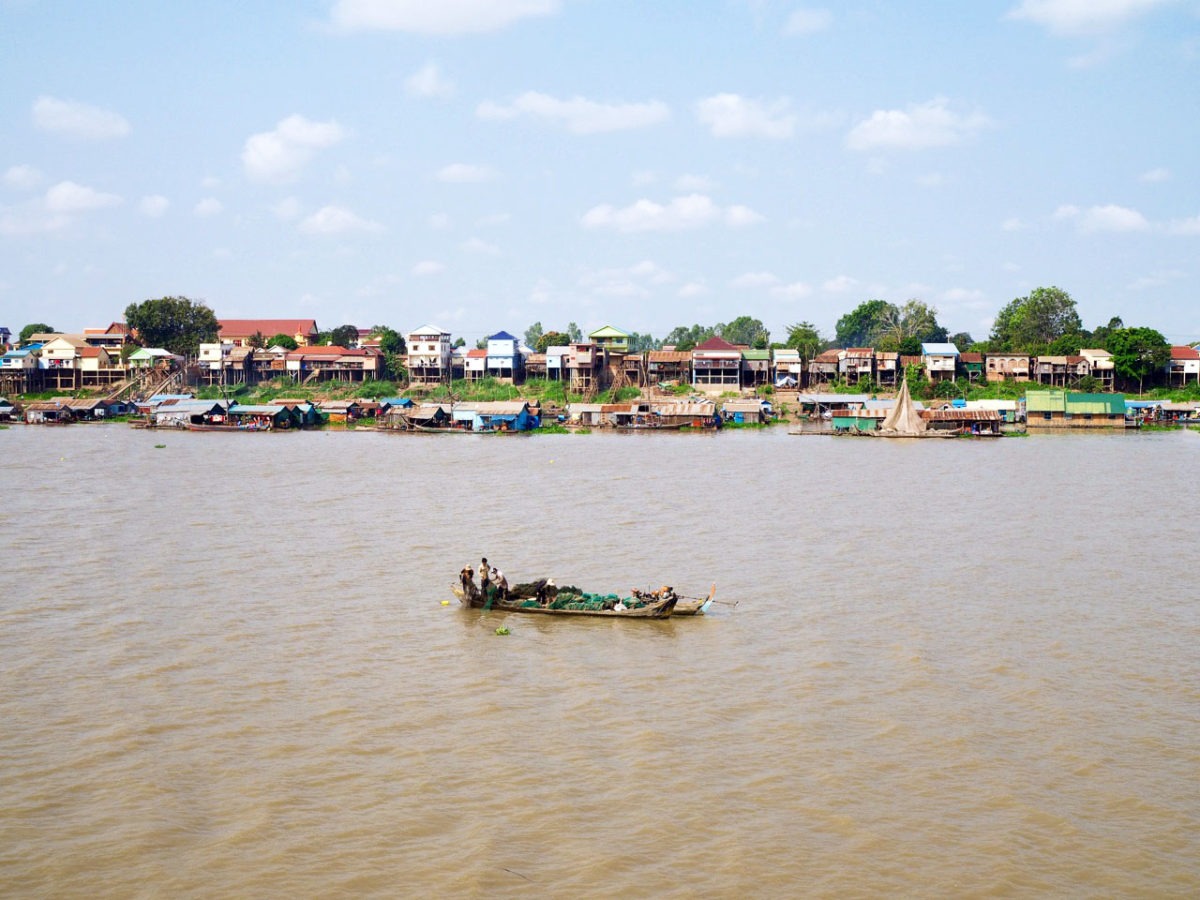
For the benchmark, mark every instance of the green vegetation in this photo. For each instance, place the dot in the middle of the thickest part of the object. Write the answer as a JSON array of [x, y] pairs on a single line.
[[173, 323]]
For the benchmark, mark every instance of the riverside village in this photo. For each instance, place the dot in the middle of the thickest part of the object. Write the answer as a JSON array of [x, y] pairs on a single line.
[[286, 374]]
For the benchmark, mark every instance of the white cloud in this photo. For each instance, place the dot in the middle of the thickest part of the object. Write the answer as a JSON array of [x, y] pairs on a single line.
[[464, 173], [731, 115], [493, 220], [794, 291], [682, 213], [651, 271], [742, 216], [288, 209], [808, 21], [579, 115], [428, 81], [750, 280], [428, 267], [69, 197], [78, 119], [839, 284], [22, 178], [1188, 227], [1155, 176], [440, 221], [208, 207], [692, 289], [1083, 16], [336, 220], [154, 206], [480, 247], [1109, 218], [444, 17], [1013, 224], [280, 155], [921, 126]]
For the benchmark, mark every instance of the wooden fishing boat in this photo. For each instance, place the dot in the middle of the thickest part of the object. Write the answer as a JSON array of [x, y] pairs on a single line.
[[694, 606], [661, 608]]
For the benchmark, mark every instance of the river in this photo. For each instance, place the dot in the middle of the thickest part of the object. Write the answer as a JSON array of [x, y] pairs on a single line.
[[937, 668]]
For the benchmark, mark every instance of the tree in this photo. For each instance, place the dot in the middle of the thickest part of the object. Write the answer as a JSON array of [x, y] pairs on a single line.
[[532, 334], [745, 330], [344, 336], [1099, 337], [176, 324], [34, 328], [962, 340], [257, 341], [905, 328], [641, 342], [1030, 324], [684, 338], [803, 336], [861, 326], [391, 342], [574, 333], [1138, 352], [283, 340], [551, 339]]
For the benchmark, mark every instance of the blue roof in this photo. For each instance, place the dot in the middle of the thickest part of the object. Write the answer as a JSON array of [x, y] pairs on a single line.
[[939, 350], [396, 401], [502, 336]]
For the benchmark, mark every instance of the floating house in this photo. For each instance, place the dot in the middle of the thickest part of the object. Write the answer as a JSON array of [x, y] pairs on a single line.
[[1064, 409]]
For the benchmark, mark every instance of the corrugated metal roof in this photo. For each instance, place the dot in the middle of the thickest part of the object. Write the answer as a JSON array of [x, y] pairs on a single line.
[[1101, 404], [936, 349]]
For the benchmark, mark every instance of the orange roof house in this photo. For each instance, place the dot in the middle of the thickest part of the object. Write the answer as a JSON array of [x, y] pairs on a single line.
[[240, 331]]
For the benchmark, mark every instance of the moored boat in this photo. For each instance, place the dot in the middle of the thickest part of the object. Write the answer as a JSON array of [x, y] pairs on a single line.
[[656, 605], [694, 606]]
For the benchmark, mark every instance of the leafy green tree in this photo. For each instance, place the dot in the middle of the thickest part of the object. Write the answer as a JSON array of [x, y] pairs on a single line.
[[283, 340], [905, 328], [575, 333], [344, 336], [1099, 337], [34, 328], [641, 342], [176, 324], [745, 330], [962, 340], [1138, 353], [861, 326], [391, 342], [803, 336], [1067, 345], [1031, 324], [533, 333], [684, 338], [551, 339]]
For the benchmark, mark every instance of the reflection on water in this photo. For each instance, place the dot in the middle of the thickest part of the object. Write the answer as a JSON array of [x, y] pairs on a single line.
[[953, 667]]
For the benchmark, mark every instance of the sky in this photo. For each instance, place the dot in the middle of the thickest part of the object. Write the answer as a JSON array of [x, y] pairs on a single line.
[[481, 165]]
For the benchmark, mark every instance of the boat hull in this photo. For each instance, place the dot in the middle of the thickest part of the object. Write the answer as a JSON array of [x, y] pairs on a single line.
[[661, 610]]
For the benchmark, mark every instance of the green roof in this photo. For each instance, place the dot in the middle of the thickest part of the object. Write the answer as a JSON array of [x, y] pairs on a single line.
[[756, 354], [1045, 401], [1096, 404], [1074, 404], [608, 332]]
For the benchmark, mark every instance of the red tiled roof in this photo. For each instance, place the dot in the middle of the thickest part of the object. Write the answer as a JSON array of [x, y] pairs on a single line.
[[477, 354], [1185, 353], [268, 327], [970, 357], [716, 343]]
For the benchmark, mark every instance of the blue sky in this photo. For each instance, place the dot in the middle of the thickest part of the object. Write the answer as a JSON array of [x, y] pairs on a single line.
[[484, 164]]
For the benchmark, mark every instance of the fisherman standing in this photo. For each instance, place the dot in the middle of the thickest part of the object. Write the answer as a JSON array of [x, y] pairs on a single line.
[[484, 577], [500, 582]]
